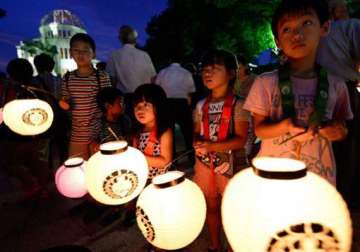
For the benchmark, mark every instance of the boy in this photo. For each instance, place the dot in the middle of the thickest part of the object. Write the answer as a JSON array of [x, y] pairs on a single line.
[[111, 103], [79, 90], [297, 112]]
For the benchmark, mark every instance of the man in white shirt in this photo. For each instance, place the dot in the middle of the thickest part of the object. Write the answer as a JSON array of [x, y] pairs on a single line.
[[128, 66], [178, 85]]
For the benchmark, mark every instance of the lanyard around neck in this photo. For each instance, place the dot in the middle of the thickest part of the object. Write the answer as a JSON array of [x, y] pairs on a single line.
[[287, 96]]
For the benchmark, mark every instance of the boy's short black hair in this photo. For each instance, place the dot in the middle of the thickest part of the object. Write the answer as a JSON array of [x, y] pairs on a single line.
[[20, 70], [83, 37], [299, 7], [108, 95], [44, 63]]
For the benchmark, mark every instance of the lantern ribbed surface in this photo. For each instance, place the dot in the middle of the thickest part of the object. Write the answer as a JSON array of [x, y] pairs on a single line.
[[305, 214], [28, 117], [70, 178], [116, 174], [171, 211]]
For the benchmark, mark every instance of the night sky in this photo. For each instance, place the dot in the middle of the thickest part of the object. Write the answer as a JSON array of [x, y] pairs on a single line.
[[102, 18]]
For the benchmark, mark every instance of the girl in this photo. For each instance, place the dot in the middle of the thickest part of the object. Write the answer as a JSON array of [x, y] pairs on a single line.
[[220, 127], [153, 135]]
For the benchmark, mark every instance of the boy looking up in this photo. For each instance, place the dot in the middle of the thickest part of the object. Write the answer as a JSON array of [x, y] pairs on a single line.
[[298, 110]]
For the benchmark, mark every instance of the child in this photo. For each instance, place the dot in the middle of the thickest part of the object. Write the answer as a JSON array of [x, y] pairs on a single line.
[[24, 157], [79, 90], [220, 127], [111, 103], [298, 98], [153, 135]]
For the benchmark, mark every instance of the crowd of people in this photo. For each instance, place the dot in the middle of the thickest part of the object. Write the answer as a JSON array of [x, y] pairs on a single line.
[[297, 110]]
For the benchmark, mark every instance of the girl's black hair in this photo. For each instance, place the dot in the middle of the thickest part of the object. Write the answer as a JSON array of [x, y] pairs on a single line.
[[299, 7], [155, 95], [221, 57]]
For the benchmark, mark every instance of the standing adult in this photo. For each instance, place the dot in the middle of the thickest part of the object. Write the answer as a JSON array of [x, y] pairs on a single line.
[[339, 53], [338, 10], [178, 85], [129, 67]]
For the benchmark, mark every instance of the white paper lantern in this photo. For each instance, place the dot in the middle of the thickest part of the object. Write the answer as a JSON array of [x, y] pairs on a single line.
[[70, 178], [28, 117], [279, 206], [171, 211], [116, 174]]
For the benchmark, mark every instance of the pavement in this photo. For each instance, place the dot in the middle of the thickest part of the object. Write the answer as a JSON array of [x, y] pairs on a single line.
[[40, 224]]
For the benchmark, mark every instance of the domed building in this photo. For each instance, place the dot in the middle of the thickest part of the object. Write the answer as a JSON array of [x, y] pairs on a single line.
[[56, 29]]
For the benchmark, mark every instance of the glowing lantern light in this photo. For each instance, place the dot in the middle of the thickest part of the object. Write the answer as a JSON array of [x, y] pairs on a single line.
[[28, 117], [116, 174], [279, 206], [171, 211], [70, 178]]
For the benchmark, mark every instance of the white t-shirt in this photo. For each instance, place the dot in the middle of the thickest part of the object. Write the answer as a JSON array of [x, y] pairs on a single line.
[[176, 81], [130, 67], [265, 99]]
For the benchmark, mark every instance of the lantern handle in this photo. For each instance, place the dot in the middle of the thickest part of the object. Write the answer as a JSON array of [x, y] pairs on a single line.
[[166, 167], [31, 90], [113, 133]]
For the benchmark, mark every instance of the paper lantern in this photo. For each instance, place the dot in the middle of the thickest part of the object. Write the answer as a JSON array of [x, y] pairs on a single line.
[[28, 117], [116, 174], [171, 211], [70, 178], [279, 206]]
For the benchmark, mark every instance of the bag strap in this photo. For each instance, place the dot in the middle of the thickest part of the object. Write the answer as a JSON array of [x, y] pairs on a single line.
[[225, 120]]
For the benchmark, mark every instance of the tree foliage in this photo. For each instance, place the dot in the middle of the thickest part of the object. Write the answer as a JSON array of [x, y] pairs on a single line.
[[36, 46], [188, 27]]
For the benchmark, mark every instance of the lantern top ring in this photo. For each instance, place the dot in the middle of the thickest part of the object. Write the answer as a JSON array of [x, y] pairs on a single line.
[[168, 179], [73, 162], [279, 168], [113, 147]]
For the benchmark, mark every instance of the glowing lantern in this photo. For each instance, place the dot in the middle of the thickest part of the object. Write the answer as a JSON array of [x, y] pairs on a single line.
[[279, 206], [171, 211], [116, 174], [70, 178], [28, 117]]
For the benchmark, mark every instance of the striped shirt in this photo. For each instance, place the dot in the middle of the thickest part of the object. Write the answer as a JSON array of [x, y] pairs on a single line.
[[85, 114]]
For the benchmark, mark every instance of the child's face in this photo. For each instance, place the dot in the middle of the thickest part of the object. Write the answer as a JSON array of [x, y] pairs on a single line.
[[144, 112], [215, 76], [299, 35], [82, 53], [115, 109]]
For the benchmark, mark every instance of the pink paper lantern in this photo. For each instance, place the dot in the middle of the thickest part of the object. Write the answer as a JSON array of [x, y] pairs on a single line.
[[70, 178]]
